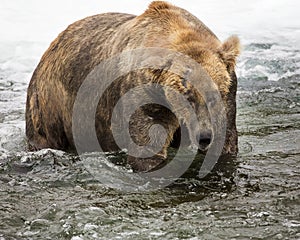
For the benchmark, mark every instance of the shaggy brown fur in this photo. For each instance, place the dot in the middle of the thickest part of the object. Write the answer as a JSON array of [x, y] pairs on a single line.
[[85, 43]]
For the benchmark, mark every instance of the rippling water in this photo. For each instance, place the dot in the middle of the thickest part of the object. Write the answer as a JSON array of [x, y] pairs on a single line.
[[50, 195]]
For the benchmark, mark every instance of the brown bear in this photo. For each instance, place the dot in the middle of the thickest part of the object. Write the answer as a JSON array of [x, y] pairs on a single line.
[[87, 42]]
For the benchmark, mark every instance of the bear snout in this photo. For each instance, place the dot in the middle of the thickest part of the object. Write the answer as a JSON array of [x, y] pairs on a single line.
[[204, 139]]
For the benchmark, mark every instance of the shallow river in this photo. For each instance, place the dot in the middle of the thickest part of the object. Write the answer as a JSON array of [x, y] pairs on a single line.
[[50, 195]]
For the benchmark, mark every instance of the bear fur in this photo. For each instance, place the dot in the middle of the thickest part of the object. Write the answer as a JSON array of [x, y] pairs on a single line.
[[87, 42]]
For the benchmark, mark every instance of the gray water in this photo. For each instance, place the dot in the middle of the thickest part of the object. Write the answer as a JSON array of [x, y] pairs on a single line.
[[50, 195]]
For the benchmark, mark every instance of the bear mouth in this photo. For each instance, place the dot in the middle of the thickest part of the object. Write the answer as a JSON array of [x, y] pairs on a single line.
[[204, 144]]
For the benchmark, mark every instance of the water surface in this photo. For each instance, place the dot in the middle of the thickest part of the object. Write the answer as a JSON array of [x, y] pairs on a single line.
[[50, 195]]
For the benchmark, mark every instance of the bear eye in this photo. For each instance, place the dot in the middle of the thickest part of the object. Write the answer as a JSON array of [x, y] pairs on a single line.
[[191, 98]]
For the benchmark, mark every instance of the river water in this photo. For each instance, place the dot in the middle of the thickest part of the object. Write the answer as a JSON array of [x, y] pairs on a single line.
[[50, 195]]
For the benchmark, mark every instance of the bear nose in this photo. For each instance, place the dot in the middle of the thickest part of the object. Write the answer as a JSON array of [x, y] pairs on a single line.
[[205, 138]]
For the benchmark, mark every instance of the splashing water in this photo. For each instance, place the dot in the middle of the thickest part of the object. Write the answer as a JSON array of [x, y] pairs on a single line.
[[50, 195]]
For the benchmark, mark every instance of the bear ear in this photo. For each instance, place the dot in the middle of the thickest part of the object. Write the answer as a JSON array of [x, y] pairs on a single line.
[[230, 50]]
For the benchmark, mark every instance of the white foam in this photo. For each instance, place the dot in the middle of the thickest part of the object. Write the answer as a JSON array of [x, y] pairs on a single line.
[[34, 20]]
